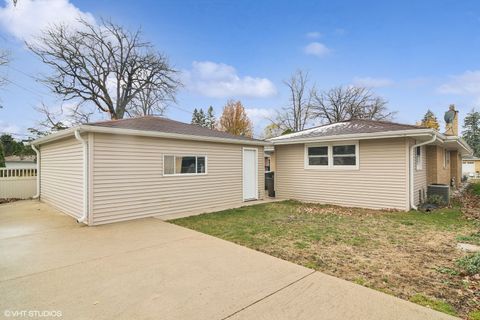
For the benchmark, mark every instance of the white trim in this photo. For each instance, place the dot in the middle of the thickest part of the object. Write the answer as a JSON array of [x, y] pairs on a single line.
[[411, 177], [37, 195], [412, 133], [256, 173], [331, 165], [306, 156], [419, 161], [84, 217], [145, 133], [180, 154], [357, 136]]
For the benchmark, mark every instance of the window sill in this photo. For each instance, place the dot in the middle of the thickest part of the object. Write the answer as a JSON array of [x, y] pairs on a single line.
[[184, 174], [333, 168]]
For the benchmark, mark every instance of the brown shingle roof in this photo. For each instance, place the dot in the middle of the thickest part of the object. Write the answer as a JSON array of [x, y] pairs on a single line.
[[347, 127], [159, 124]]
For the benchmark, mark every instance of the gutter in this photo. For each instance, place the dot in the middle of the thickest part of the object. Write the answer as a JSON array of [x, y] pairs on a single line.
[[356, 136], [411, 182], [147, 133], [37, 195], [84, 216]]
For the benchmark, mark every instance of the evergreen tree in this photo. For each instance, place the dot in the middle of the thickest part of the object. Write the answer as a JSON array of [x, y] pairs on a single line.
[[2, 157], [12, 147], [9, 145], [210, 121], [202, 119], [471, 131], [195, 116], [430, 121]]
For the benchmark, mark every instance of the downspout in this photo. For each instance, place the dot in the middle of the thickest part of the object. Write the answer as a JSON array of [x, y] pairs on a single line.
[[37, 195], [84, 216], [411, 182]]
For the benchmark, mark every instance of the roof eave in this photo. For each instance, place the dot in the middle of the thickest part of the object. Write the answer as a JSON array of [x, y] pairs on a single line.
[[360, 136], [461, 143], [144, 133], [55, 136]]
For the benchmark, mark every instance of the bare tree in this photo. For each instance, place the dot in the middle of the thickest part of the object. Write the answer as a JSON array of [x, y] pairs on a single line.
[[4, 59], [53, 120], [297, 114], [349, 103], [149, 101], [103, 64]]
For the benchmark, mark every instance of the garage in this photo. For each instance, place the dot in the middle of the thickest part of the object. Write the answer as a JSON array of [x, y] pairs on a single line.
[[149, 166]]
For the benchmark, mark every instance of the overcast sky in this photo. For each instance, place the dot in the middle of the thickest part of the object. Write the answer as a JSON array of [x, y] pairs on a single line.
[[416, 54]]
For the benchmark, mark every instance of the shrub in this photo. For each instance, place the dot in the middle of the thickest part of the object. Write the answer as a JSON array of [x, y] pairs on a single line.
[[436, 200], [470, 263], [474, 188]]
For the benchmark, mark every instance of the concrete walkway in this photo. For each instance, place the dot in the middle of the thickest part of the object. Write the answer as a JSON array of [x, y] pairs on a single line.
[[150, 269]]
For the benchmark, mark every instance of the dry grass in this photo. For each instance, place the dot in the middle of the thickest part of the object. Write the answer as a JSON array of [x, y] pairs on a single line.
[[408, 255]]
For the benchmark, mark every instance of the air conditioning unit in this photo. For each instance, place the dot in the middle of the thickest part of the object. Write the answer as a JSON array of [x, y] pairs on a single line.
[[442, 190]]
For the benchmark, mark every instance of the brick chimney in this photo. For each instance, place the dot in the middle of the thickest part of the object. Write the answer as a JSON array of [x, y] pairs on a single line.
[[451, 121]]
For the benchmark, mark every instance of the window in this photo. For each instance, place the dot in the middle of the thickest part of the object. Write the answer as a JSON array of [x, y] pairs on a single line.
[[446, 158], [318, 156], [344, 155], [178, 165], [418, 158], [332, 155]]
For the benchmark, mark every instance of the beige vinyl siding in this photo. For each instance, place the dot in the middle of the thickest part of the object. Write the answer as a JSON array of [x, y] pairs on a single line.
[[420, 177], [380, 181], [128, 180], [61, 175]]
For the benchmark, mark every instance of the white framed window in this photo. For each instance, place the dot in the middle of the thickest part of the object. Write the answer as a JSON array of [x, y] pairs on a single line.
[[344, 155], [318, 156], [176, 165], [419, 158], [338, 155], [446, 158]]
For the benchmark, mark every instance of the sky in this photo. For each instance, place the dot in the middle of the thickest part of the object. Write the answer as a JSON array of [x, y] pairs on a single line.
[[418, 55]]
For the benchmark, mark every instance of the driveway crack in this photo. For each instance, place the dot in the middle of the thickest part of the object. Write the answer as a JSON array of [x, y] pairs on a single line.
[[269, 295]]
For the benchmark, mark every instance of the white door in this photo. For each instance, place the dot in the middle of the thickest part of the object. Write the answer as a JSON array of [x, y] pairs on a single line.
[[250, 174]]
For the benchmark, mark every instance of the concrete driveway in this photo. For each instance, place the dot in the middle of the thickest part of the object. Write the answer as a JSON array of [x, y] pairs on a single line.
[[150, 269]]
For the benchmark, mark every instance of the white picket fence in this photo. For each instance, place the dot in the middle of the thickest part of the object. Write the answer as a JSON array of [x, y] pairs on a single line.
[[18, 183]]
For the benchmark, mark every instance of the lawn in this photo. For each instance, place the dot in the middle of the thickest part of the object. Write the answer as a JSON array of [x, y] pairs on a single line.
[[411, 255]]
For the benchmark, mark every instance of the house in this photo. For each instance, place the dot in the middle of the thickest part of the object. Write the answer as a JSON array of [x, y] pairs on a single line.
[[470, 166], [125, 169], [20, 162], [365, 163]]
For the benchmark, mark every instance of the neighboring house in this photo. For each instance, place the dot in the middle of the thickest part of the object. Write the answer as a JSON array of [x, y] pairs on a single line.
[[20, 162], [125, 169], [470, 166], [365, 163]]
